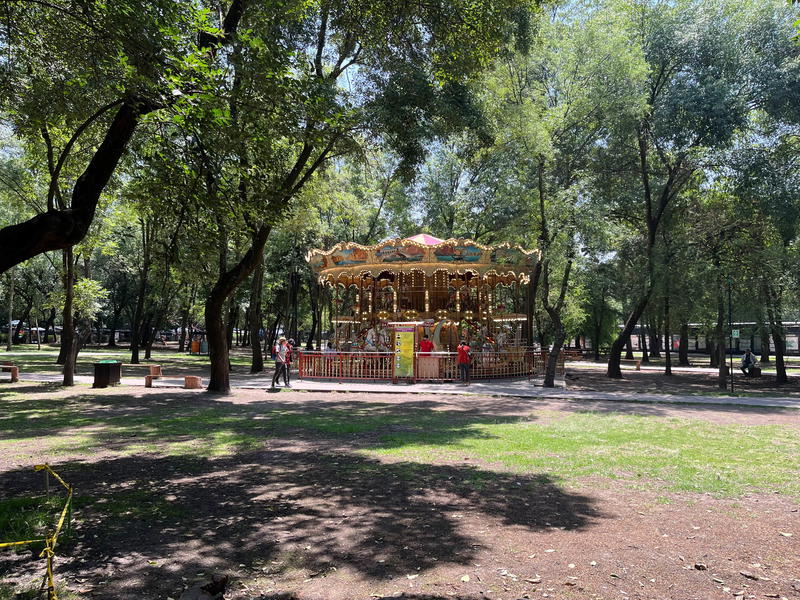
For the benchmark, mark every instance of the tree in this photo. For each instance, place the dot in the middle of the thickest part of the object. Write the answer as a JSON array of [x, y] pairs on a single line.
[[135, 57], [413, 70], [698, 93]]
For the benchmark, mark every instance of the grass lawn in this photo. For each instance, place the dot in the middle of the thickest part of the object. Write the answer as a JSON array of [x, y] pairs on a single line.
[[29, 359], [673, 453], [303, 495]]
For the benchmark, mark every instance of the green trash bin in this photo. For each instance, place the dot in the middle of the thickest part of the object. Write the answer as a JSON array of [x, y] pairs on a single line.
[[106, 373]]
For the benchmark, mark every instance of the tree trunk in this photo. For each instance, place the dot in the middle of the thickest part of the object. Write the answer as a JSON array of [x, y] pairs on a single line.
[[82, 335], [643, 339], [256, 291], [21, 321], [554, 311], [31, 329], [596, 341], [313, 298], [144, 332], [764, 334], [9, 342], [38, 333], [68, 331], [148, 353], [615, 355], [50, 324], [138, 313], [227, 282], [667, 337], [294, 293], [184, 325], [683, 346], [652, 330], [233, 311], [780, 351], [552, 358], [112, 327], [629, 349], [269, 340], [719, 335], [776, 329]]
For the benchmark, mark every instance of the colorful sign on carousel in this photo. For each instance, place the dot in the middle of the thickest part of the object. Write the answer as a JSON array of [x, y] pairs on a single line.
[[404, 351]]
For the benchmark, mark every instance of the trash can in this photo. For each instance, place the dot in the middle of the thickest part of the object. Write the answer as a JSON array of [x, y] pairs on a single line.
[[106, 373], [204, 347], [195, 347]]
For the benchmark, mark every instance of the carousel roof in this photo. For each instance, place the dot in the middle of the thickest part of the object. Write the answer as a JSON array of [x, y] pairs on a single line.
[[422, 252], [424, 239]]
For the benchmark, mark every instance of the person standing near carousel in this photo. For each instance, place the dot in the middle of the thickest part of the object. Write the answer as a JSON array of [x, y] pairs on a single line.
[[464, 361], [281, 350]]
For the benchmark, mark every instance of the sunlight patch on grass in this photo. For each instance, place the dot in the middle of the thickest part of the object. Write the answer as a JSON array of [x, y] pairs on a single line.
[[674, 454]]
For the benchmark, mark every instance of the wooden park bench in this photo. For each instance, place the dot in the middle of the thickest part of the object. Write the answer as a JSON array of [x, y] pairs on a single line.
[[7, 367], [632, 361]]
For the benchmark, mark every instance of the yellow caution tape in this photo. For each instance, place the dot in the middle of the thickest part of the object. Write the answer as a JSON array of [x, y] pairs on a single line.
[[49, 552], [46, 467], [51, 540], [5, 544]]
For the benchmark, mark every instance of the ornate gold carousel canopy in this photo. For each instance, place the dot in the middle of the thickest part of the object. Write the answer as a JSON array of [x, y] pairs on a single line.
[[425, 254]]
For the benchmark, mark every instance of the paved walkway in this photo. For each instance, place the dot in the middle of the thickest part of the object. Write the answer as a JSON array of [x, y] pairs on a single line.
[[521, 388]]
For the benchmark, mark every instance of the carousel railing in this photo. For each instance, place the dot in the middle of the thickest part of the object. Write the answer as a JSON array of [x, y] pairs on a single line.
[[430, 366], [346, 365], [499, 364]]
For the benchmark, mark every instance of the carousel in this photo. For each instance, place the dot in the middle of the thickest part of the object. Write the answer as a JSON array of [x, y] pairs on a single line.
[[383, 300]]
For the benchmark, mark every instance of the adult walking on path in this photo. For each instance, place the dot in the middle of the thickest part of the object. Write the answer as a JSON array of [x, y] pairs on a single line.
[[281, 366]]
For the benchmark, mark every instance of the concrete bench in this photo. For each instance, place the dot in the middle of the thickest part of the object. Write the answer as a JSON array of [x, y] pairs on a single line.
[[155, 373], [636, 362], [8, 367], [192, 382]]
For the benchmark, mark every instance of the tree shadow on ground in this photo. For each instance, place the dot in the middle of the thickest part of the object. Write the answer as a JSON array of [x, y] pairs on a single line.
[[286, 507], [402, 596], [120, 422], [591, 378], [667, 409]]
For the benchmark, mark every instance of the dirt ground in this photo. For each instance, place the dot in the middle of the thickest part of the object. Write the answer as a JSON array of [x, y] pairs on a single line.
[[590, 376], [308, 517]]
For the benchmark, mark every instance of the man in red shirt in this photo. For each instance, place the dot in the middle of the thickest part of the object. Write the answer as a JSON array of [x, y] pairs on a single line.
[[425, 346], [464, 361]]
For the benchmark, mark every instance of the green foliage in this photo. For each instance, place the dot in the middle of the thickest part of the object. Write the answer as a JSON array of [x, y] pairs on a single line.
[[29, 518], [88, 300]]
